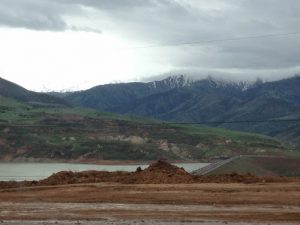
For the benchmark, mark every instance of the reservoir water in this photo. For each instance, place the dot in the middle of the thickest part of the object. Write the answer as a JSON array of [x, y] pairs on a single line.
[[37, 171]]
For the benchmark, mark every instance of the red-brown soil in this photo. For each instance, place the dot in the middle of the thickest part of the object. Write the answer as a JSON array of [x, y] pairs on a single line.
[[160, 172], [162, 191], [231, 202]]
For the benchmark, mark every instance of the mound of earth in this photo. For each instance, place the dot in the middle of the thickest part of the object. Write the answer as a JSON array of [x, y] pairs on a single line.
[[69, 177], [160, 172]]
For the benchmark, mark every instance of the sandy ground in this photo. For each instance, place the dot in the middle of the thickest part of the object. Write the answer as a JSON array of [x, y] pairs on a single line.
[[114, 203]]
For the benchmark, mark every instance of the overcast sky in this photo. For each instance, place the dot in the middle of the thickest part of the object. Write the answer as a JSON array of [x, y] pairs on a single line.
[[77, 44]]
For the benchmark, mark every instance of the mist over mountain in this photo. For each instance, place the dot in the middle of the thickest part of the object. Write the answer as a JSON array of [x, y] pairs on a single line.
[[210, 100], [246, 76]]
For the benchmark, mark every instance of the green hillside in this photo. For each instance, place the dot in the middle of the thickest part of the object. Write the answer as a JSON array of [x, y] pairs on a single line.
[[33, 132], [14, 91]]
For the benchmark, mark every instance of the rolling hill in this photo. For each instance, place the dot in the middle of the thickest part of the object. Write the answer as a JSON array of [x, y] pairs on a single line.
[[58, 133], [14, 91]]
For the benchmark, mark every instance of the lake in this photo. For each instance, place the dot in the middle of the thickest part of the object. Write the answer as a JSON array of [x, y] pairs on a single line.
[[37, 171]]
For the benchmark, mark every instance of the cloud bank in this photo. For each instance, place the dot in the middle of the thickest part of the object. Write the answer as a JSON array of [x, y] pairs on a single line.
[[167, 22]]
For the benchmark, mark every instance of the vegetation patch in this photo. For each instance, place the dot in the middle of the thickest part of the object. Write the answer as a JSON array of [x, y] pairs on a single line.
[[61, 133]]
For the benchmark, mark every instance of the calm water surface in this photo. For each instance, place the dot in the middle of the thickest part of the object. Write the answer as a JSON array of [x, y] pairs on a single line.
[[36, 171]]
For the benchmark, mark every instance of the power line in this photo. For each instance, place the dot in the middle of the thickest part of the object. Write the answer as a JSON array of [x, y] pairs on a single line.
[[157, 123], [262, 36], [241, 121]]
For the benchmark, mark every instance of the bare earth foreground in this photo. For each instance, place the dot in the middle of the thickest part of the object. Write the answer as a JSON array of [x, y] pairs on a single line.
[[112, 203]]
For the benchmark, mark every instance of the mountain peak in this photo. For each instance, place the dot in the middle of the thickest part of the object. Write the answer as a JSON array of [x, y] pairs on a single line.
[[175, 81], [226, 83]]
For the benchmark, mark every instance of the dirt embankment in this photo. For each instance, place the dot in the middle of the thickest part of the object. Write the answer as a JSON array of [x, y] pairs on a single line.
[[160, 172]]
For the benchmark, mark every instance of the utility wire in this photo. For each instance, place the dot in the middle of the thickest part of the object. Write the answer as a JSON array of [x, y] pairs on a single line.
[[216, 40], [155, 123], [240, 121]]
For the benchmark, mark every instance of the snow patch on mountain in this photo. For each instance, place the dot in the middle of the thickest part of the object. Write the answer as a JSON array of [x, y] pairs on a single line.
[[180, 81], [176, 81], [222, 83]]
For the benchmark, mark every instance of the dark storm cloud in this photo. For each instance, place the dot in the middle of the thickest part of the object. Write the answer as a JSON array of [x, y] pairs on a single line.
[[170, 22], [163, 22], [32, 14], [111, 4]]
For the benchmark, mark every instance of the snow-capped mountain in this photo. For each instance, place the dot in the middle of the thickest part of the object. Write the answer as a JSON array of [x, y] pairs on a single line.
[[175, 81], [179, 98]]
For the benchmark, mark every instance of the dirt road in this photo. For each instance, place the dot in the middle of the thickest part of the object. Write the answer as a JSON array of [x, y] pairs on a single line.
[[135, 222], [235, 202]]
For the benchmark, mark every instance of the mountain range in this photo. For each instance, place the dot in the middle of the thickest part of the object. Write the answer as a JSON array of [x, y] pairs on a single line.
[[210, 101], [38, 127], [270, 108]]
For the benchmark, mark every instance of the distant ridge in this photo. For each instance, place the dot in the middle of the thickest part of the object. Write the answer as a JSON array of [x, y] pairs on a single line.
[[45, 132], [178, 98], [16, 92]]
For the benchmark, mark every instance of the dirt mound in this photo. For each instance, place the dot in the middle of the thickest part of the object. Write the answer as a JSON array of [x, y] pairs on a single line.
[[165, 167], [69, 177], [160, 172]]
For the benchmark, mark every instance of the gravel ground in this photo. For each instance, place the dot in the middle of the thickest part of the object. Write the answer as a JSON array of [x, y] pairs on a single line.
[[129, 222], [114, 203]]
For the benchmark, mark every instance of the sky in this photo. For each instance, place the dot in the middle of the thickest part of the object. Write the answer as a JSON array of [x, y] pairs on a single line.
[[76, 44]]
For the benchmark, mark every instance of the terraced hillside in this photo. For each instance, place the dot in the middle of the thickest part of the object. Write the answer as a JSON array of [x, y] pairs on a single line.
[[42, 132]]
